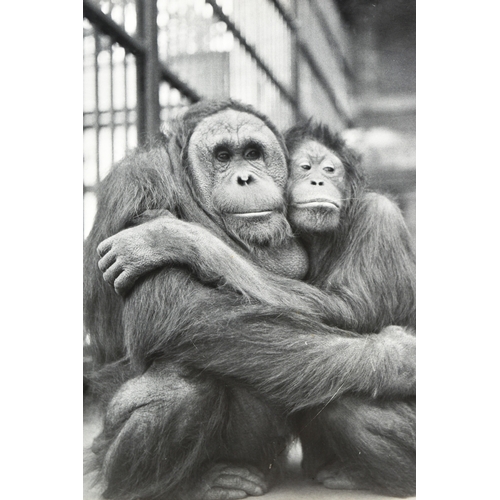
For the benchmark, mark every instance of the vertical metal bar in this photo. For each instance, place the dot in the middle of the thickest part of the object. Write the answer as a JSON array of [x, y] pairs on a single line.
[[148, 75], [295, 53], [125, 89], [250, 49], [111, 103], [125, 101], [97, 49]]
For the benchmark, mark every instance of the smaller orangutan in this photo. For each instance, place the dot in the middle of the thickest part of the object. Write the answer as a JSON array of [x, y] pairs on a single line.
[[360, 252]]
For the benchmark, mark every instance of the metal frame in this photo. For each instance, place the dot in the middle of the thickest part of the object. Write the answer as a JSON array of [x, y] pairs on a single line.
[[253, 53], [302, 47], [151, 71]]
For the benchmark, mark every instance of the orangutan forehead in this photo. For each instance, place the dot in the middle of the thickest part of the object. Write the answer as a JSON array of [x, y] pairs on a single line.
[[235, 129], [315, 151]]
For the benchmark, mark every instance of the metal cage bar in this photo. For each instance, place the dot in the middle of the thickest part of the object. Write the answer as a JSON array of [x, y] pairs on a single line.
[[300, 46], [138, 47], [130, 111], [321, 78], [252, 52], [330, 36], [148, 75], [107, 26]]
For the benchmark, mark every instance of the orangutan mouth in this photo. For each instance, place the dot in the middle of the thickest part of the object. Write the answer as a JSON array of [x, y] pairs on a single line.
[[253, 214], [318, 203]]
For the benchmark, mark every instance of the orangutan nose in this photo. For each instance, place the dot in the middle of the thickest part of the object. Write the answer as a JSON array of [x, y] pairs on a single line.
[[244, 179]]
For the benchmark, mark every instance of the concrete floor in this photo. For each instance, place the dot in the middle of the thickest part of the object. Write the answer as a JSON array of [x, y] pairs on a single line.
[[294, 487]]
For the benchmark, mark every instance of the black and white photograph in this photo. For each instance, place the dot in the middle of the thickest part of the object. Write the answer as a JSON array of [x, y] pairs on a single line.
[[249, 269], [236, 285]]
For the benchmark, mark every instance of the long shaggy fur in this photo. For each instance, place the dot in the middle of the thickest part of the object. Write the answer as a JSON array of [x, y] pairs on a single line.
[[370, 261], [295, 360], [371, 442], [158, 438]]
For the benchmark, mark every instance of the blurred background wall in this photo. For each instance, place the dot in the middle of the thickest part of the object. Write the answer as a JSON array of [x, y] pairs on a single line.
[[348, 63]]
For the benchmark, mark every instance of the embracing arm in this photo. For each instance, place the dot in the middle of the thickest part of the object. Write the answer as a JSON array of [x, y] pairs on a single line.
[[162, 241], [297, 363], [375, 260], [292, 359]]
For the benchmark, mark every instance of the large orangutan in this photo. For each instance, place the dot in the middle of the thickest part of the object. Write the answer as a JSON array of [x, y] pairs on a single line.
[[213, 372]]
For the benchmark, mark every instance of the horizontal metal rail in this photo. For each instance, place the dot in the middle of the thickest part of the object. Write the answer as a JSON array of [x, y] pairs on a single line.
[[332, 40], [174, 81], [108, 27], [290, 21], [304, 49], [311, 60], [251, 51]]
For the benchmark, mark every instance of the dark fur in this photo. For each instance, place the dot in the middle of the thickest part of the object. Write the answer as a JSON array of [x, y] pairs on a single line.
[[371, 253], [371, 442], [204, 363]]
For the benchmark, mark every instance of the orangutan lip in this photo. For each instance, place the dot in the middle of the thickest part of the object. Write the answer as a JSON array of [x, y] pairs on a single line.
[[317, 203], [252, 214]]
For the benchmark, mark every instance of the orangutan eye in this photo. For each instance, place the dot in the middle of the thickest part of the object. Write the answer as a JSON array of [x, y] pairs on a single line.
[[305, 166], [222, 155], [252, 154], [329, 169]]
